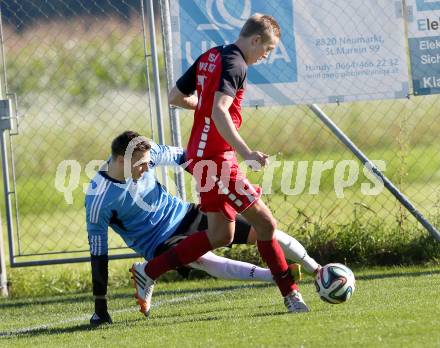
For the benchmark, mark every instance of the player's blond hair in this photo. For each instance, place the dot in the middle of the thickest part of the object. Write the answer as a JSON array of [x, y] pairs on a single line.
[[261, 24]]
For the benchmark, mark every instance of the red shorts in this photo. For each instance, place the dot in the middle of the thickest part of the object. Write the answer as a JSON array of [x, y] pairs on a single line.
[[222, 186]]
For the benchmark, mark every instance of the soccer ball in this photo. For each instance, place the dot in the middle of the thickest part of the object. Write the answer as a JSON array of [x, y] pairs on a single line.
[[335, 283]]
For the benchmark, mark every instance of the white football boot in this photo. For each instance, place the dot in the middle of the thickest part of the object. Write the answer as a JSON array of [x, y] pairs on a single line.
[[143, 285], [295, 303]]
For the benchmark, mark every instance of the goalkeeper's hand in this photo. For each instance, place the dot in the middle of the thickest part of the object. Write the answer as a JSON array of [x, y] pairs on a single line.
[[101, 315]]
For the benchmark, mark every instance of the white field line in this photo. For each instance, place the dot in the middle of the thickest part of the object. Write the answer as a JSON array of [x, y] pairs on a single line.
[[86, 318]]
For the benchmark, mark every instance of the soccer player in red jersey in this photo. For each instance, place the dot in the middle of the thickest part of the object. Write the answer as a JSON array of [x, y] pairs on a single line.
[[218, 77]]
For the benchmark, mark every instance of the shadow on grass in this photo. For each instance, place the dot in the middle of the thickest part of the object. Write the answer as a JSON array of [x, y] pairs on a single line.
[[387, 275], [396, 275], [269, 314], [195, 313], [179, 321], [88, 297], [171, 319], [162, 321], [37, 331], [154, 322]]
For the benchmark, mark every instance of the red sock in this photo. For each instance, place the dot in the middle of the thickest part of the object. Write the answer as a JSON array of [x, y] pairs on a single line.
[[187, 251], [273, 255]]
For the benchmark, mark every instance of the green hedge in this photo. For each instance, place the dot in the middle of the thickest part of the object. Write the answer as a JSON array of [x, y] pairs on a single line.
[[360, 243]]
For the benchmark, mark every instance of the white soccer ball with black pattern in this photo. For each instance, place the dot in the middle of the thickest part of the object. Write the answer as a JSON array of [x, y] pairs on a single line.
[[335, 283]]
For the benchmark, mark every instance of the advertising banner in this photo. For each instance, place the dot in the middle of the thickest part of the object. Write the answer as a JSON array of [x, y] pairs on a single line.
[[424, 45], [330, 51]]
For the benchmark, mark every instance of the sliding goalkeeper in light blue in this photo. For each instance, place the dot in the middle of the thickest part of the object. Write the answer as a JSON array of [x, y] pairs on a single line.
[[126, 196]]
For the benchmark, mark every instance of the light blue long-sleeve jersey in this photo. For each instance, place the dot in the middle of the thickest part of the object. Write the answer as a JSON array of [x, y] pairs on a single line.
[[143, 213]]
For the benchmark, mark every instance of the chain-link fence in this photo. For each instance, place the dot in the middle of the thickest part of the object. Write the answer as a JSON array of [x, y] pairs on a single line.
[[314, 179], [79, 70]]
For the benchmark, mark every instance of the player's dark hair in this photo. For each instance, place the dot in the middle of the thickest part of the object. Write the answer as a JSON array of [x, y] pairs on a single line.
[[263, 25], [121, 142]]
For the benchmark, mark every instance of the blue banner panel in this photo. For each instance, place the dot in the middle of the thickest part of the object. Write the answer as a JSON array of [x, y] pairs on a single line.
[[427, 5], [212, 23]]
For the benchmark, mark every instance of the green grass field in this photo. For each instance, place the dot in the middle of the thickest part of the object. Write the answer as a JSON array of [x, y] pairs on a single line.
[[395, 307]]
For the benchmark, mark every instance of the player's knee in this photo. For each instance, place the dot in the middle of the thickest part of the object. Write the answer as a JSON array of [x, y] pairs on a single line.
[[225, 240], [228, 240], [273, 224], [268, 224], [266, 230], [220, 239]]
